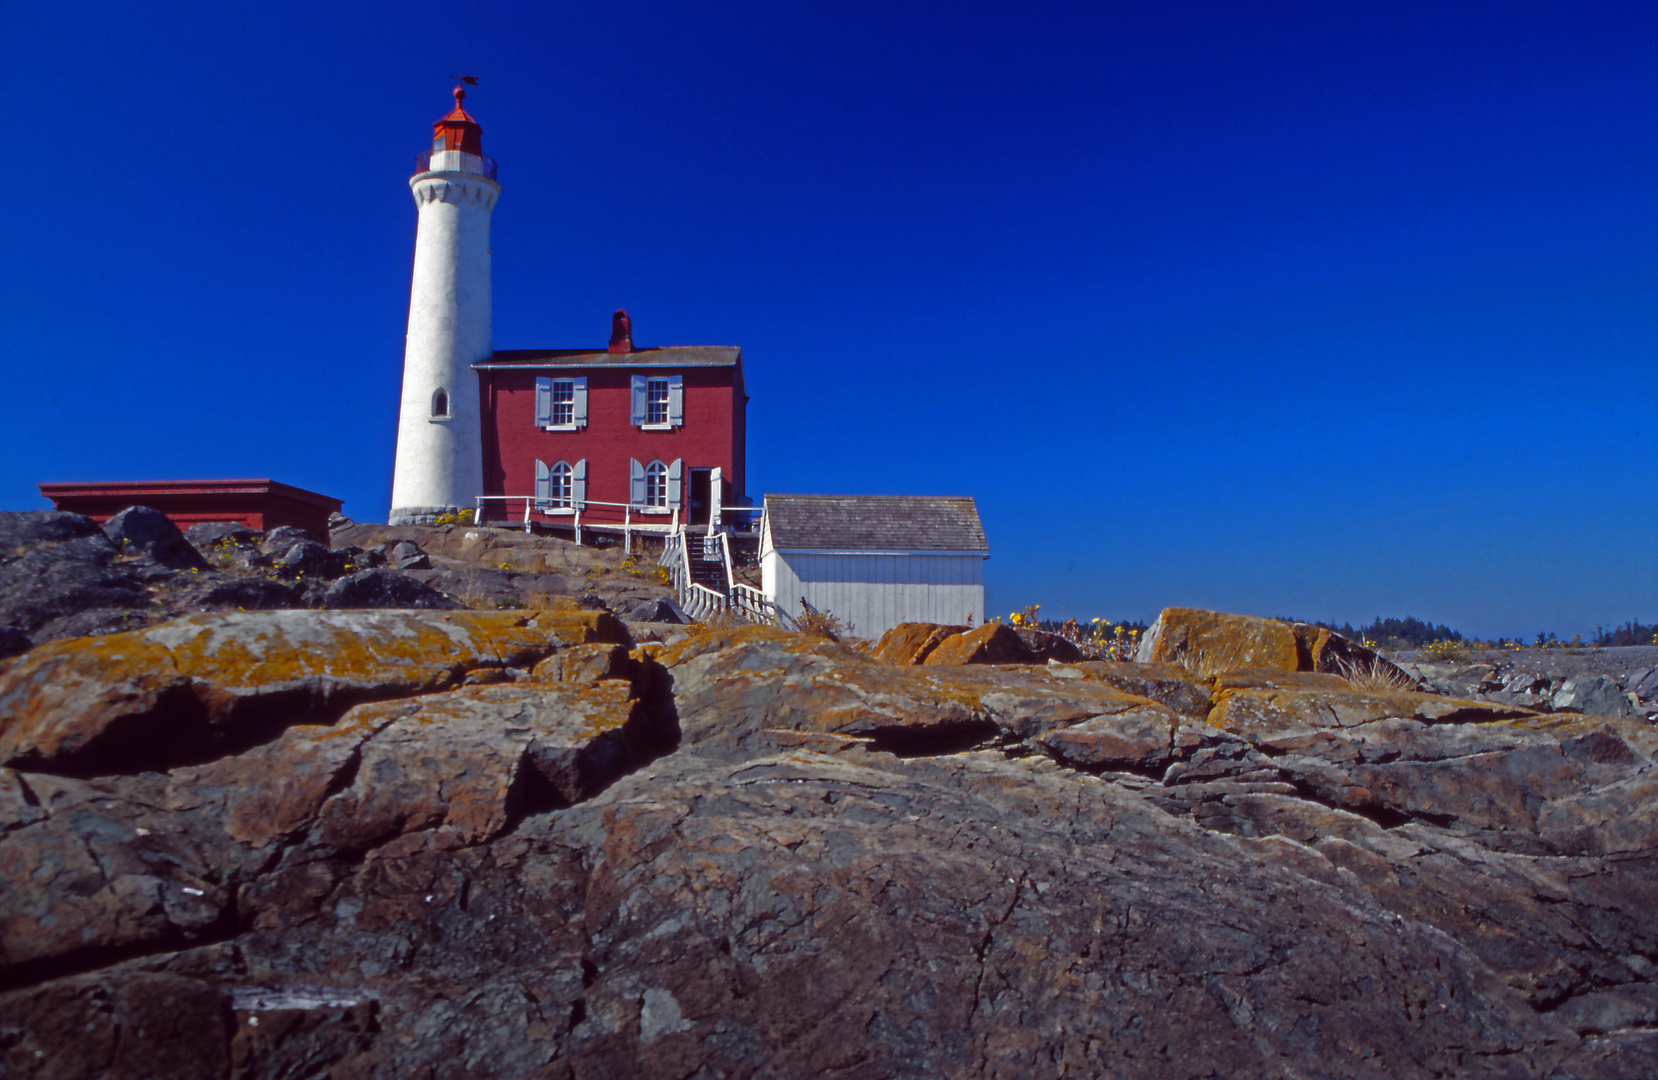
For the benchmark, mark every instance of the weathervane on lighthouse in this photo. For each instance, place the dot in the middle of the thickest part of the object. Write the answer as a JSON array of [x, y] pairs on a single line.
[[439, 464]]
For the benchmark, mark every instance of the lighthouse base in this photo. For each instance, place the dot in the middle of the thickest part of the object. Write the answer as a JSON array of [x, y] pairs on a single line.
[[428, 515]]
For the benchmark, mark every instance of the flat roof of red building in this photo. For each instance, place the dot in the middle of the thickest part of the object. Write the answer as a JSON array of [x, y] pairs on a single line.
[[667, 356], [262, 486]]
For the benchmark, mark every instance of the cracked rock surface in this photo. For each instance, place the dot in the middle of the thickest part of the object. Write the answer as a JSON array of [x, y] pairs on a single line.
[[447, 845]]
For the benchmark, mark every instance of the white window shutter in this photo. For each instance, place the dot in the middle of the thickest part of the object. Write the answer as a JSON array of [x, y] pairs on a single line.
[[636, 482], [673, 482], [676, 400], [638, 401], [580, 411], [541, 494], [543, 403], [578, 485]]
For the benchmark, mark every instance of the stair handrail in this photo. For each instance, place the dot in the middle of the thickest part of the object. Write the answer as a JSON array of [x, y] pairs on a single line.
[[672, 558], [701, 602], [725, 558]]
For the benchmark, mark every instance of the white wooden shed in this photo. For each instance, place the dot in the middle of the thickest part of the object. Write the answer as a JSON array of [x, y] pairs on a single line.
[[875, 561]]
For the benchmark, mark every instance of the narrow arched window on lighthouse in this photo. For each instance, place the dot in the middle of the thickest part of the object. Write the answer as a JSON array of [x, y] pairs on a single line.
[[440, 402]]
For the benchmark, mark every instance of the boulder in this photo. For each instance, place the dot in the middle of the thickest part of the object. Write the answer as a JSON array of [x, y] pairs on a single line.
[[660, 609], [229, 546], [150, 534], [1597, 695], [385, 588], [457, 761], [302, 558], [585, 664], [56, 578], [206, 535], [991, 643], [283, 537], [205, 685], [1212, 642], [250, 594], [1047, 647], [913, 642], [30, 528], [1644, 683], [406, 555]]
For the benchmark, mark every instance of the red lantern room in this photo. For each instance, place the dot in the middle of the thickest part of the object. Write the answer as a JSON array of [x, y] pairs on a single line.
[[458, 131]]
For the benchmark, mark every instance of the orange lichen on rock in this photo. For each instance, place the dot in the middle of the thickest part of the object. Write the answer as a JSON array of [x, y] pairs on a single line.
[[585, 664], [1208, 643], [991, 643], [912, 642], [171, 693]]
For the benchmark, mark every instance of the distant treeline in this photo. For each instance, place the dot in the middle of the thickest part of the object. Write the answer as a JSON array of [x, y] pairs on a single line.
[[1630, 633], [1405, 633], [1413, 633]]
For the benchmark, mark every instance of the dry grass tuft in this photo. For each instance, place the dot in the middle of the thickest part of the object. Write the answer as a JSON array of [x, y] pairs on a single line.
[[1377, 676]]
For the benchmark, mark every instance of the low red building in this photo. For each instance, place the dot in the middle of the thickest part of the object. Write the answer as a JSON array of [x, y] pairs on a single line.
[[598, 438], [257, 504]]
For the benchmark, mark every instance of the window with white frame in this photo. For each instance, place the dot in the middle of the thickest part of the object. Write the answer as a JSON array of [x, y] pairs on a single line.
[[656, 401], [653, 488], [656, 483], [564, 402], [558, 486], [561, 489], [561, 404]]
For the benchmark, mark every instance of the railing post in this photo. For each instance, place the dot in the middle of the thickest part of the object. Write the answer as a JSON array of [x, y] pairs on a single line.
[[627, 530], [528, 502]]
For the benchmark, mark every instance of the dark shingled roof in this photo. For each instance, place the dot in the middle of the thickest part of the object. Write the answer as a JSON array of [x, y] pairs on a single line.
[[875, 523], [679, 356]]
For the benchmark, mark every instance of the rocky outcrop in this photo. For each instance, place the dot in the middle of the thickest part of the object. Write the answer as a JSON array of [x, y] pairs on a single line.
[[913, 642], [151, 535], [207, 684], [991, 643], [515, 847], [57, 580], [1210, 643]]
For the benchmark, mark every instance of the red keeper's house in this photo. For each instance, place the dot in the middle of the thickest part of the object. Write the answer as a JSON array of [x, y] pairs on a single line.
[[623, 437]]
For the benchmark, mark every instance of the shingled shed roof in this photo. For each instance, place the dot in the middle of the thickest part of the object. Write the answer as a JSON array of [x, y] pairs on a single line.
[[875, 523]]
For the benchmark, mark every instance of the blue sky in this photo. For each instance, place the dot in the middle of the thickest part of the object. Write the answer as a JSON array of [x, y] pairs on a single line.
[[1327, 310]]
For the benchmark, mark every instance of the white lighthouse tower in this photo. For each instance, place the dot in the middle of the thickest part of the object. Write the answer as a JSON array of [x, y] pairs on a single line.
[[439, 466]]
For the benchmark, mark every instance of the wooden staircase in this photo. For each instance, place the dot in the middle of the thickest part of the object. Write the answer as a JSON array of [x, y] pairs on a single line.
[[699, 564]]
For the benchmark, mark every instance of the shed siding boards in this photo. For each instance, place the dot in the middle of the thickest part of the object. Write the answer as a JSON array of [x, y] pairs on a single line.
[[874, 561], [874, 593]]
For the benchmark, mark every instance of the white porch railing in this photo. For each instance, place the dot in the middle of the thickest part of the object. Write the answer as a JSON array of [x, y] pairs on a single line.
[[605, 523]]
